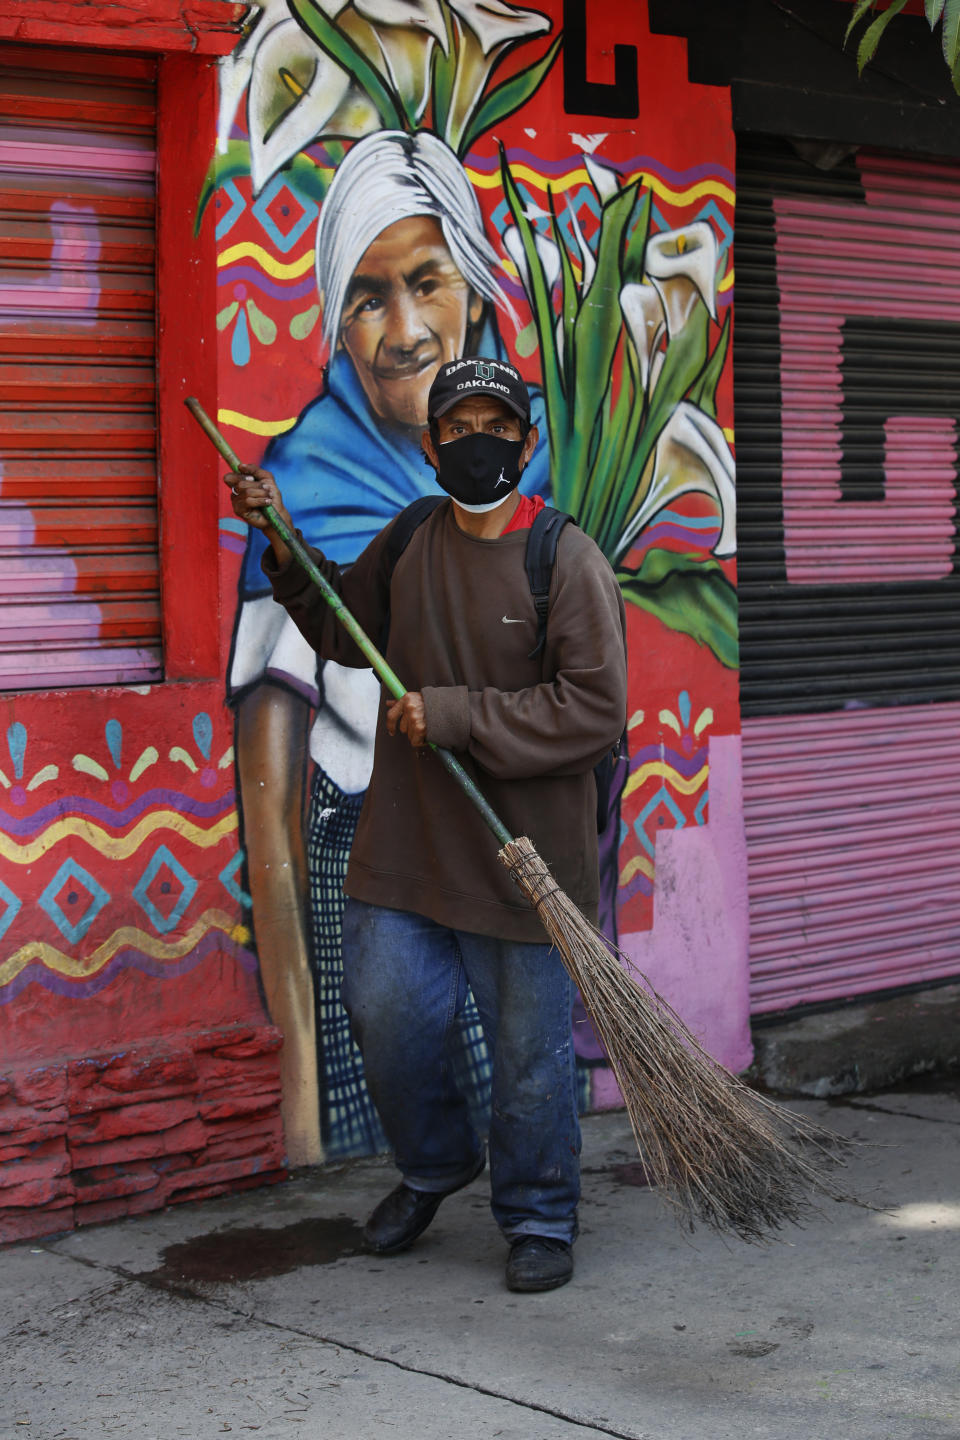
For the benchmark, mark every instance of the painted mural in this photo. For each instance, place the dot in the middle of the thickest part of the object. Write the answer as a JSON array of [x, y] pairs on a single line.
[[397, 183]]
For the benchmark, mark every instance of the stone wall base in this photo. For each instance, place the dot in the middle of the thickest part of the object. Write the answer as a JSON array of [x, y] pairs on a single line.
[[181, 1118]]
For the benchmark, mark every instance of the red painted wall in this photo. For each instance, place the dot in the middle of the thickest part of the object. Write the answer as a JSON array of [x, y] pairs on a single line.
[[137, 1062]]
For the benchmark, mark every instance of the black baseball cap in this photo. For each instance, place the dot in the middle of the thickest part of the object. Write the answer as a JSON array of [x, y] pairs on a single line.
[[459, 379]]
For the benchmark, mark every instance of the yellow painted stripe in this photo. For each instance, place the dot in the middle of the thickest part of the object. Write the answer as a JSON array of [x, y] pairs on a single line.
[[726, 283], [639, 864], [81, 967], [254, 426], [116, 847], [728, 434], [580, 177], [279, 269], [659, 769]]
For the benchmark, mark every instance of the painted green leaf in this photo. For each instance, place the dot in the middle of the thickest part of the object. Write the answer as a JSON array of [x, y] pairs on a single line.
[[704, 391], [443, 74], [350, 58], [221, 169], [637, 243], [933, 9], [570, 297], [262, 326], [692, 596], [301, 325], [598, 327], [508, 97], [542, 307], [225, 315]]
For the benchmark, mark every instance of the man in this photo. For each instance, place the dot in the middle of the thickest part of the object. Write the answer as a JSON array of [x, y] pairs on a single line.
[[407, 278], [429, 907]]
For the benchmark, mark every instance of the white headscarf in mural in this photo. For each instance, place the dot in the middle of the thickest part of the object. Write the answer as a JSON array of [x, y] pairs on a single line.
[[394, 176]]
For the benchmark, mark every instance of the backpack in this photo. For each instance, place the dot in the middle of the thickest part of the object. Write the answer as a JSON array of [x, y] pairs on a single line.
[[541, 552]]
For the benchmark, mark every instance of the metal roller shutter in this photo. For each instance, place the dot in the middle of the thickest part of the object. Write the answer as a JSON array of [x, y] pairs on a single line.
[[79, 571], [847, 394]]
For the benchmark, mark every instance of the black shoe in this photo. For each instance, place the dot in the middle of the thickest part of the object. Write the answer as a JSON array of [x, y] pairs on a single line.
[[405, 1213], [538, 1263]]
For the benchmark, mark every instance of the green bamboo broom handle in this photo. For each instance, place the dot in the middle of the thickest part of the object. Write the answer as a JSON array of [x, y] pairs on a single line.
[[360, 637]]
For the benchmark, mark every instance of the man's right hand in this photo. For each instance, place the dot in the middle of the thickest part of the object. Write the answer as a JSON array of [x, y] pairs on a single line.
[[250, 490]]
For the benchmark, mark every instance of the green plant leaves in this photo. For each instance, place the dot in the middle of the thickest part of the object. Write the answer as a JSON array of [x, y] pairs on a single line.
[[693, 596], [859, 10], [946, 12], [871, 36], [951, 33]]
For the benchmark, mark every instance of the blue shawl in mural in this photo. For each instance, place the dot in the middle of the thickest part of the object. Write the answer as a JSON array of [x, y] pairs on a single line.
[[343, 474]]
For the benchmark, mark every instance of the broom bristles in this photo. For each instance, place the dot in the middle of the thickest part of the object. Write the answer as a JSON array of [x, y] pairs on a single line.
[[720, 1153]]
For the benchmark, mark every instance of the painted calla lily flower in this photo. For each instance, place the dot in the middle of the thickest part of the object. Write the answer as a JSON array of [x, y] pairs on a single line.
[[407, 54], [235, 69], [605, 181], [294, 91], [487, 28], [292, 97], [398, 37], [643, 312], [691, 455], [424, 15], [546, 250], [587, 259], [682, 264], [496, 24]]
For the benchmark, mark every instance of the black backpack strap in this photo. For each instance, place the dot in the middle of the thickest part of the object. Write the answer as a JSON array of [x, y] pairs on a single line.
[[401, 533], [542, 542]]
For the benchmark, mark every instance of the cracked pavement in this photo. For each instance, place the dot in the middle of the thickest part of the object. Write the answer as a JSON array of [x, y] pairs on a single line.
[[258, 1315]]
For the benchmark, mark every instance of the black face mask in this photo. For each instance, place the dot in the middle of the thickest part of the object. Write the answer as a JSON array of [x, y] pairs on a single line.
[[479, 470]]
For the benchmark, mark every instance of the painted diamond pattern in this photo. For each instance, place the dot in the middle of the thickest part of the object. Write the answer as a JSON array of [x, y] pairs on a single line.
[[12, 903], [663, 799], [228, 879], [283, 214], [226, 222], [60, 904], [188, 888]]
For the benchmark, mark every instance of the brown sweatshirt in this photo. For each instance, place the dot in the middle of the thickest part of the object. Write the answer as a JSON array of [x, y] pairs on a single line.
[[461, 627]]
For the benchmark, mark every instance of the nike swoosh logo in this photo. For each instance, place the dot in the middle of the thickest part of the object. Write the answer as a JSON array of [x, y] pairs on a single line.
[[507, 621]]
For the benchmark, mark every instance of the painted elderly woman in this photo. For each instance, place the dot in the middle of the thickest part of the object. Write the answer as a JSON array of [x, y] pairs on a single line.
[[407, 279]]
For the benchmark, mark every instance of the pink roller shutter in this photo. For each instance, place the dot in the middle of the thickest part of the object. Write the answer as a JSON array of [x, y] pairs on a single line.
[[79, 571], [847, 381]]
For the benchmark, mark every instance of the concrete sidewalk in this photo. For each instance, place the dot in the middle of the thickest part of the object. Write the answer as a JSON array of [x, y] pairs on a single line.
[[258, 1316]]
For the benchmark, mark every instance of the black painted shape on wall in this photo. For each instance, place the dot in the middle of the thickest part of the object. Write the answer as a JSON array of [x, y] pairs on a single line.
[[807, 648], [891, 367], [790, 74], [619, 100]]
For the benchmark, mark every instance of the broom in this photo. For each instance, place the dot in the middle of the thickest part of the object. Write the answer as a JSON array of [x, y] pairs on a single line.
[[720, 1153]]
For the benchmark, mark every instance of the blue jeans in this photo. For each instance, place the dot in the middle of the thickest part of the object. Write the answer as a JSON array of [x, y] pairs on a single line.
[[405, 980]]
